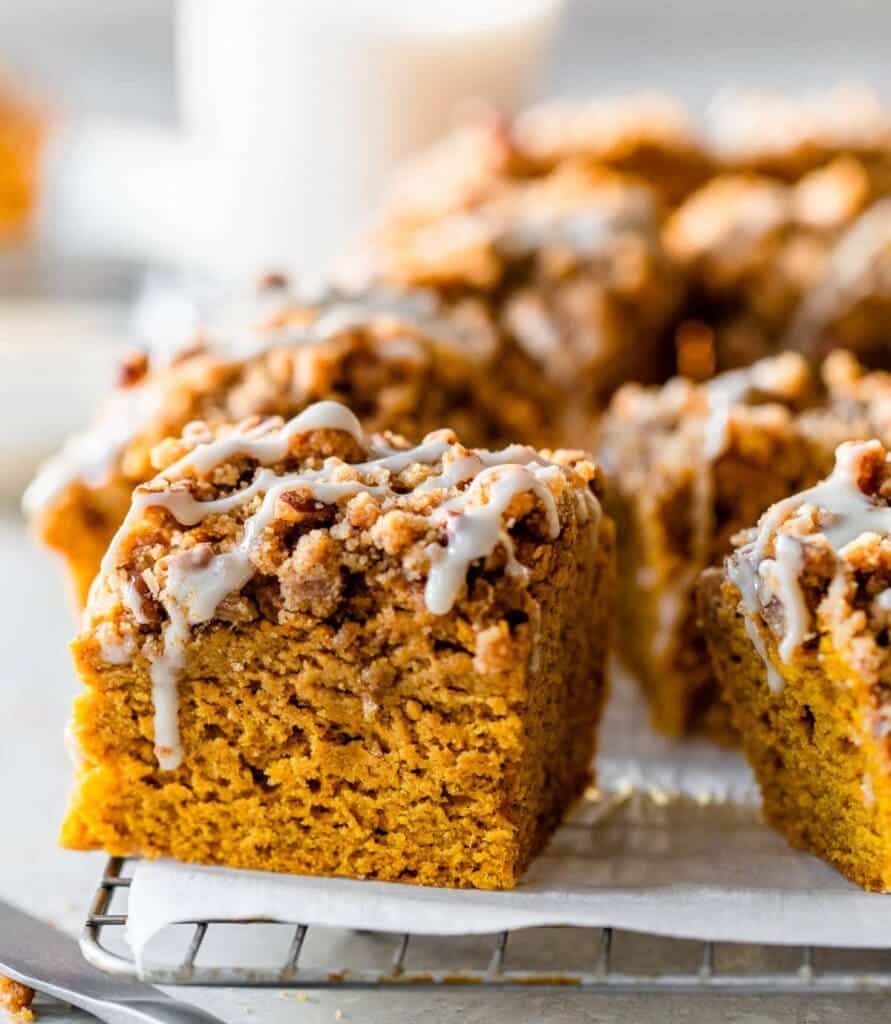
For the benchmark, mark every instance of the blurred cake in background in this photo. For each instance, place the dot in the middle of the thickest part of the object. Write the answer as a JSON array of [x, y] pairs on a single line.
[[648, 135], [689, 466], [787, 135], [569, 262], [543, 280], [752, 250], [783, 247], [22, 132]]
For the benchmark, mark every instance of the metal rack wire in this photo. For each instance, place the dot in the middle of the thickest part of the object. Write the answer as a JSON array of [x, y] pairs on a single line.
[[801, 972]]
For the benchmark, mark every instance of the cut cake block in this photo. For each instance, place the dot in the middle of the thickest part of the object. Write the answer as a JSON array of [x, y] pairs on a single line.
[[798, 623], [318, 652]]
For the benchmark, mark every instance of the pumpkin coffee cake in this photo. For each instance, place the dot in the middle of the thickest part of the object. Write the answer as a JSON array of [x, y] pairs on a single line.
[[690, 465], [310, 650], [394, 358], [571, 267], [798, 624]]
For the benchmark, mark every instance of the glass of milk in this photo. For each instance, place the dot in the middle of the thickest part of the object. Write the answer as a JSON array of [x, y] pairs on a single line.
[[302, 108]]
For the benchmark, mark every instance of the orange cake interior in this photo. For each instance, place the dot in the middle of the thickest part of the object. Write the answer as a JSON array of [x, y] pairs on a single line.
[[798, 625]]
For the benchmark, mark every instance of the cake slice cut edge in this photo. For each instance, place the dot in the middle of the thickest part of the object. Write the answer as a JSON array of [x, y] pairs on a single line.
[[797, 623]]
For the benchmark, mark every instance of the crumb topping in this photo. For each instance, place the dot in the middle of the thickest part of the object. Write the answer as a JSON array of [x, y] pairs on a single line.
[[278, 352], [821, 559], [275, 519], [580, 212], [739, 226], [782, 265], [681, 418]]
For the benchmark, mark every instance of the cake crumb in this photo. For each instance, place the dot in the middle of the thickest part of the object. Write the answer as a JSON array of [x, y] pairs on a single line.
[[16, 999]]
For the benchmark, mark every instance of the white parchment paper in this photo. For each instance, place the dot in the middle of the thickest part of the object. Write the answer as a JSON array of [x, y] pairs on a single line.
[[672, 845]]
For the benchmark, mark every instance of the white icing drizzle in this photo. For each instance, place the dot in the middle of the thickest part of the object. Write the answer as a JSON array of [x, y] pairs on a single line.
[[884, 600], [844, 514], [267, 445], [346, 314], [786, 569], [474, 531], [722, 394], [465, 467], [198, 579], [165, 671], [727, 390], [132, 600], [849, 513]]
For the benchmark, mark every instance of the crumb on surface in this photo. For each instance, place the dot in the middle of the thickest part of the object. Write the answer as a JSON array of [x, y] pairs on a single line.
[[16, 999]]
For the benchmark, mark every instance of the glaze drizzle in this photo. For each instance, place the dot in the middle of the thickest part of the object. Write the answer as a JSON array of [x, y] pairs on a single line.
[[473, 521], [843, 513]]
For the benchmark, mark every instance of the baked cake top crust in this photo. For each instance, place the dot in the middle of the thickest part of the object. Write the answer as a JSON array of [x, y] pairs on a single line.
[[820, 561], [276, 351], [280, 520]]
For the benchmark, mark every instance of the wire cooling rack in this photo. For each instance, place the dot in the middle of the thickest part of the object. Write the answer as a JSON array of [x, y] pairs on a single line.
[[587, 959]]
